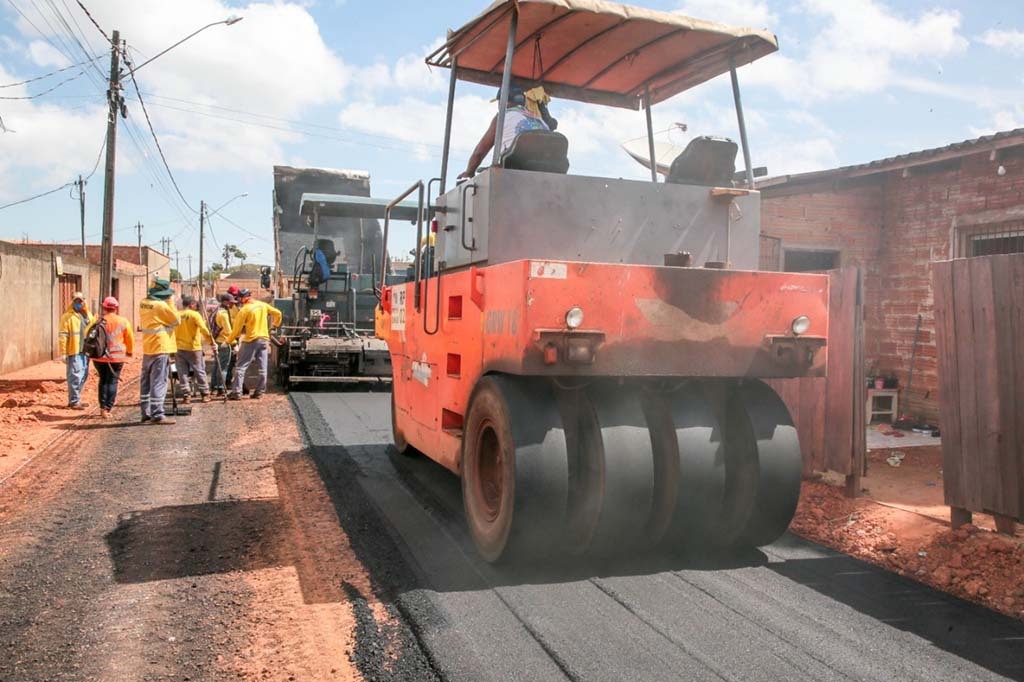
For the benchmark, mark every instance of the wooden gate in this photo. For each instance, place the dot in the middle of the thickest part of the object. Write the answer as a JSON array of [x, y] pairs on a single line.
[[829, 411], [979, 333]]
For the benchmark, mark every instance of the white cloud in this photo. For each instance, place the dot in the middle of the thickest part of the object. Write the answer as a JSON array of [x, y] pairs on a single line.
[[1010, 41], [273, 62], [862, 48], [30, 145], [1001, 120], [44, 54], [753, 13]]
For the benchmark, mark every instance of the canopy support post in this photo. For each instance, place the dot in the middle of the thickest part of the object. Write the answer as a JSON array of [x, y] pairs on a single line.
[[741, 122], [448, 126], [650, 133], [506, 80]]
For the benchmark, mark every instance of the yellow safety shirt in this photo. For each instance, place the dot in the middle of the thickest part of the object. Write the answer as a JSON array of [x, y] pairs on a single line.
[[191, 330], [255, 319], [157, 320]]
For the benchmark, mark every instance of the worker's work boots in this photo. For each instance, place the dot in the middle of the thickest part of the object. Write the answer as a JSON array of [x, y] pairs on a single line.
[[205, 398], [186, 400]]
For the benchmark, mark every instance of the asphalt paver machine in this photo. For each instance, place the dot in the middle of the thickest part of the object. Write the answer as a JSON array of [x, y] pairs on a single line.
[[589, 354]]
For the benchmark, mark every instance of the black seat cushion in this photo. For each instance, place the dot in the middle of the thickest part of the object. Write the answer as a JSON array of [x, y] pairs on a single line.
[[709, 161], [538, 150]]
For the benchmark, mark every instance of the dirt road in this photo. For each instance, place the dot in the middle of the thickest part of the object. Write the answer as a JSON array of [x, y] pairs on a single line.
[[205, 550]]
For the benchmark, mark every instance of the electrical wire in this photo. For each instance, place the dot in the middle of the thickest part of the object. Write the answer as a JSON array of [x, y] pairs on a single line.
[[37, 196], [246, 231], [47, 75], [152, 132], [46, 92], [52, 191], [93, 20]]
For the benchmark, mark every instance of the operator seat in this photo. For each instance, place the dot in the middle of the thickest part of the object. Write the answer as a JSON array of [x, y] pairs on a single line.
[[707, 161], [538, 150]]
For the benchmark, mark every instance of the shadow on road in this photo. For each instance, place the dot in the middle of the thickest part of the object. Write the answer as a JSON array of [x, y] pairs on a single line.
[[973, 632], [197, 539]]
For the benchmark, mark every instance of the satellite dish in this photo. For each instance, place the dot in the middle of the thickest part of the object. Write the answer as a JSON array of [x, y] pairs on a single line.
[[664, 153]]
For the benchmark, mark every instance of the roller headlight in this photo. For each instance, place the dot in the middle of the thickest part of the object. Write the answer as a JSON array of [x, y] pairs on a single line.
[[801, 325], [574, 317]]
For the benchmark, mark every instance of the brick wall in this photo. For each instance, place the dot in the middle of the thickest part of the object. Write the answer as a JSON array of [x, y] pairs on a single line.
[[894, 225]]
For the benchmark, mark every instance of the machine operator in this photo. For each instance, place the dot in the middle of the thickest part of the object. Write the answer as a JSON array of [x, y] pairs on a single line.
[[527, 110]]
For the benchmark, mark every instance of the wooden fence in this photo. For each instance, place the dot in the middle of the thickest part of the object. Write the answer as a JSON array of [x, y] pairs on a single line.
[[829, 411], [979, 329]]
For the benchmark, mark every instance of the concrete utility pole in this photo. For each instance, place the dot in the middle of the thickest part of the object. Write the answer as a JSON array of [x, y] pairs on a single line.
[[138, 228], [177, 263], [81, 211], [202, 228], [114, 106], [189, 266]]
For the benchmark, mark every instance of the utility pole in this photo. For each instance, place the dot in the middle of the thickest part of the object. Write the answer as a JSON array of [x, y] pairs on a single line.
[[138, 228], [81, 211], [177, 263], [189, 266], [202, 228], [114, 107]]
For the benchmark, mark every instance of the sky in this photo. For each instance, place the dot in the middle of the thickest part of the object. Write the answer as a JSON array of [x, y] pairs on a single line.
[[343, 84]]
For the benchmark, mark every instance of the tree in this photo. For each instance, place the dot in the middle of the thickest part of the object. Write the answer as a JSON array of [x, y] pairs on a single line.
[[175, 275], [232, 250]]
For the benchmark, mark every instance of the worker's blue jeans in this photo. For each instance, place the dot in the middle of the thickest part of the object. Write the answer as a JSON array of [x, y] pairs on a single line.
[[222, 368], [77, 372]]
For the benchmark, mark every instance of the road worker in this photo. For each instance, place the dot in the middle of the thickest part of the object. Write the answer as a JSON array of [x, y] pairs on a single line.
[[73, 324], [189, 337], [252, 326], [120, 346], [527, 110], [220, 326], [158, 320]]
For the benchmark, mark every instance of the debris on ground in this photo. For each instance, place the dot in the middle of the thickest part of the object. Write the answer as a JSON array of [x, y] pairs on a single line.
[[972, 563]]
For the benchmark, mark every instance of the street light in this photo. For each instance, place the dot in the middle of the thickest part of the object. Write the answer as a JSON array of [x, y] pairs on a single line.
[[218, 210], [233, 19], [115, 104]]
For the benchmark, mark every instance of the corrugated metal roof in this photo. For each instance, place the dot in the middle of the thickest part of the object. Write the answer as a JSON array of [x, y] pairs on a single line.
[[1006, 138]]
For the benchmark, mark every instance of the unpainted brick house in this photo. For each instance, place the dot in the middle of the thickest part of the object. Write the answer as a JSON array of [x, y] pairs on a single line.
[[894, 218]]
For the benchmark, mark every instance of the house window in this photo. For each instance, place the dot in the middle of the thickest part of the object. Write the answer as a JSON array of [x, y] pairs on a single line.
[[810, 260], [991, 240]]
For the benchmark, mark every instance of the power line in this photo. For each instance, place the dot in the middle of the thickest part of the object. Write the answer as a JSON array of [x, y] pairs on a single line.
[[67, 184], [251, 234], [47, 75], [38, 196], [152, 132], [46, 92], [93, 20]]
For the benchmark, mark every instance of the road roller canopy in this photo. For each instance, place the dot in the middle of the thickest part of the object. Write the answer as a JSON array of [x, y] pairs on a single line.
[[598, 52]]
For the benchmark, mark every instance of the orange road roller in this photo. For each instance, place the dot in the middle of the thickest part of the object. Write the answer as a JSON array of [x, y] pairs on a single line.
[[587, 353]]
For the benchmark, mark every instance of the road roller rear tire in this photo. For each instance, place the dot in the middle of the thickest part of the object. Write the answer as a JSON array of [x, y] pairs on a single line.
[[779, 464], [763, 467], [514, 469]]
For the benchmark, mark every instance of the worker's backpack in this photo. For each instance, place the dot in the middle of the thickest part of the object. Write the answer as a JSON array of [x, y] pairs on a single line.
[[215, 329], [96, 341]]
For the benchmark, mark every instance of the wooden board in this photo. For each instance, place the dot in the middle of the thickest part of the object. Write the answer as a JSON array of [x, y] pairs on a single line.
[[979, 327], [949, 384]]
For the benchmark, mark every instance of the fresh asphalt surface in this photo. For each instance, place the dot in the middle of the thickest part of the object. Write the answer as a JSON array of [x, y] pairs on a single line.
[[792, 611]]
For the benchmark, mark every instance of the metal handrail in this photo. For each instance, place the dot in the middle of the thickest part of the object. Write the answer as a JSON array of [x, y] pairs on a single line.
[[462, 216], [418, 185]]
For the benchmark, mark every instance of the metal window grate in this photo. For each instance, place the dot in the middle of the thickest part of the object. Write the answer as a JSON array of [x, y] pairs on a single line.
[[771, 254], [989, 240]]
